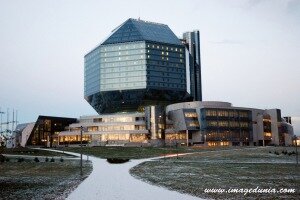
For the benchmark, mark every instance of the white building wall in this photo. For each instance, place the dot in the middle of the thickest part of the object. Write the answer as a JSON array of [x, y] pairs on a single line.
[[274, 126]]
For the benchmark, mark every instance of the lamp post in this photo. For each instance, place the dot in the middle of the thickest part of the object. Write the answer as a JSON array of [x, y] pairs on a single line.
[[295, 139], [187, 137]]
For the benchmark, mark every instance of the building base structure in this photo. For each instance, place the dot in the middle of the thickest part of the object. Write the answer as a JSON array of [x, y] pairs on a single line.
[[197, 123], [202, 123]]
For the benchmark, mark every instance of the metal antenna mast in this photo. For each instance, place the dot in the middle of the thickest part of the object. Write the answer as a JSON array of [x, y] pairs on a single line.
[[1, 113], [7, 121]]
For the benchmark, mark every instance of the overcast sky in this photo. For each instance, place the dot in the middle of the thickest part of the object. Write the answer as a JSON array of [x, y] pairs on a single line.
[[250, 50]]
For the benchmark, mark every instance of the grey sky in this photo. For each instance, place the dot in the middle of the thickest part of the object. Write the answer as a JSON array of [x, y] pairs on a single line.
[[250, 50]]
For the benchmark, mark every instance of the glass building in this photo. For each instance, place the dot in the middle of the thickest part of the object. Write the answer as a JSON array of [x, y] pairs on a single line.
[[192, 42], [43, 132], [141, 63]]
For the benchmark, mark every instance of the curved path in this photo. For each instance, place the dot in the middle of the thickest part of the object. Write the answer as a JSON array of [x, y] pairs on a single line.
[[113, 182]]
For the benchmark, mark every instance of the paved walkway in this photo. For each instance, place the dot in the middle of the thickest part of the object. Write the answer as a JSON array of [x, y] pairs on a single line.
[[113, 182]]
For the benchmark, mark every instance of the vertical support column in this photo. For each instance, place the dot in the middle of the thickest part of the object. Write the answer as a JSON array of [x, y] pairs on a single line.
[[81, 172]]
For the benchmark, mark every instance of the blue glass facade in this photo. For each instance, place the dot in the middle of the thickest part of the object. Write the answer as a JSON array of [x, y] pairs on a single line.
[[92, 72], [123, 66], [227, 124], [141, 63], [192, 41], [166, 66]]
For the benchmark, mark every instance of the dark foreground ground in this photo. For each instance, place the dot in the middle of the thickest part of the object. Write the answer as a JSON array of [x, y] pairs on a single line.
[[240, 169], [40, 180]]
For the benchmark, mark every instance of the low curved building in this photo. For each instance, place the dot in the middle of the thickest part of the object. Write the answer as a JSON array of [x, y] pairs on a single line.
[[220, 124]]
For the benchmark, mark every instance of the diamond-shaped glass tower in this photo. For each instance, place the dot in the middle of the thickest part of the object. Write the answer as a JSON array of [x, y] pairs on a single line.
[[141, 63]]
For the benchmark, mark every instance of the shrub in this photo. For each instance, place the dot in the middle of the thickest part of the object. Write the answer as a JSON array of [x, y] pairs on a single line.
[[36, 159], [6, 159], [46, 159], [52, 160], [284, 152], [276, 153], [61, 159], [20, 160], [2, 158]]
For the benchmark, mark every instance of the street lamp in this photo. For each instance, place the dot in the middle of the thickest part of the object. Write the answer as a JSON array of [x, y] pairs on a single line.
[[295, 139]]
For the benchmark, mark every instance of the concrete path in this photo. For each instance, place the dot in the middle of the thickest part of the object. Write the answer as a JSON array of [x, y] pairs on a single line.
[[113, 182]]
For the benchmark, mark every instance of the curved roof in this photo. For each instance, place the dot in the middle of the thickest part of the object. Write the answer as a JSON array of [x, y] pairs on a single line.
[[138, 30]]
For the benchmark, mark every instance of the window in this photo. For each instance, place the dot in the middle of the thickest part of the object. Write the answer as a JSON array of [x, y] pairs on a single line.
[[212, 123], [223, 123], [190, 114], [211, 113]]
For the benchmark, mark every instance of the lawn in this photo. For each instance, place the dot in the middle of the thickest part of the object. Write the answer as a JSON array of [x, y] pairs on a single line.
[[241, 168], [31, 152], [134, 152], [40, 180]]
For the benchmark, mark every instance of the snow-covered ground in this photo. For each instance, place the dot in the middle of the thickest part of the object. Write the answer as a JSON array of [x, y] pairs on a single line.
[[113, 182]]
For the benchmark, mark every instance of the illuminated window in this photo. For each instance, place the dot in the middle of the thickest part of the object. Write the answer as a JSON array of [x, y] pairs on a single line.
[[233, 124], [190, 114], [233, 113], [244, 124], [243, 114], [194, 123], [223, 123], [267, 134], [212, 123], [223, 113], [93, 128]]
